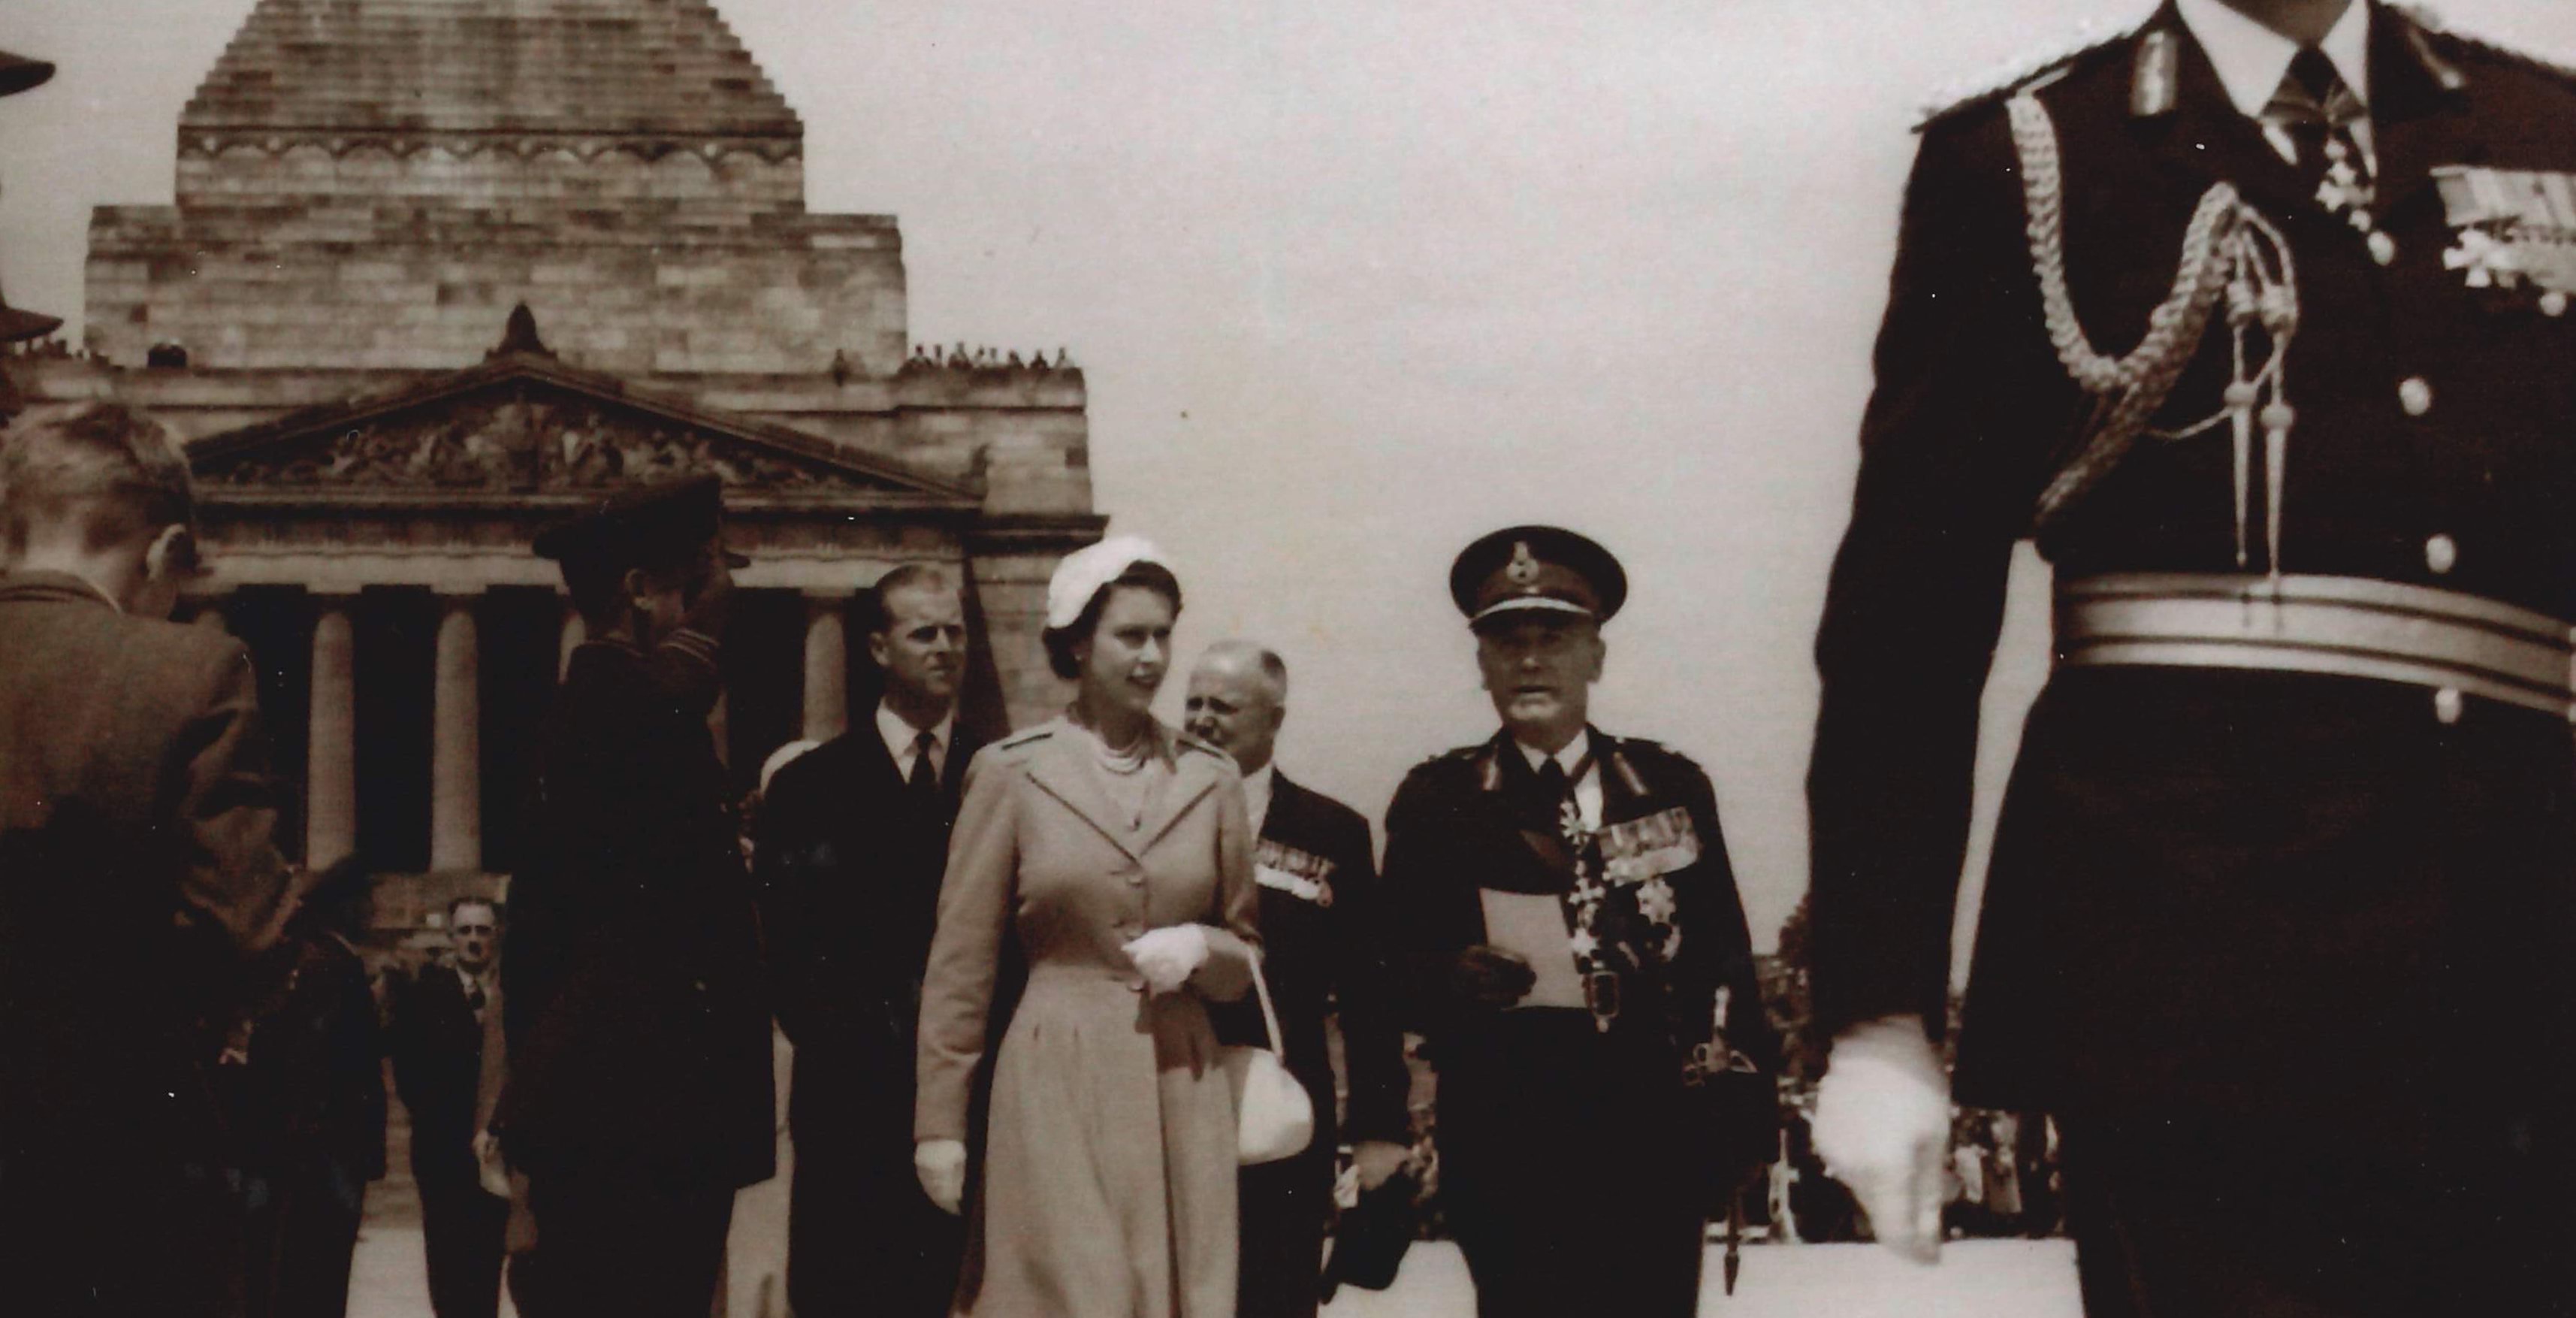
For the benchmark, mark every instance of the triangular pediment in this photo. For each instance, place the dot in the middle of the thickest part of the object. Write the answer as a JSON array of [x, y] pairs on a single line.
[[526, 426]]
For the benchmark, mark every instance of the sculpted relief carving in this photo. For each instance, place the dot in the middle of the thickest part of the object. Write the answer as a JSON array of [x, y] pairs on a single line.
[[521, 444]]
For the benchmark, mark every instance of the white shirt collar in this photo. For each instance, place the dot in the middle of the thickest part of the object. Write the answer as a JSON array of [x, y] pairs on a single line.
[[1569, 759], [899, 736], [2252, 59], [1257, 786]]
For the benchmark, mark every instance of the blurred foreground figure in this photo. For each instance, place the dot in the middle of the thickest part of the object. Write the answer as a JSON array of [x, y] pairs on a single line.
[[305, 1091], [1323, 948], [1576, 956], [137, 877], [852, 840], [638, 1096], [2279, 922]]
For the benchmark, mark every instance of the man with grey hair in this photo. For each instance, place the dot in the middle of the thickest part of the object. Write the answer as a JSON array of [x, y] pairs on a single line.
[[1322, 957], [850, 846], [137, 872]]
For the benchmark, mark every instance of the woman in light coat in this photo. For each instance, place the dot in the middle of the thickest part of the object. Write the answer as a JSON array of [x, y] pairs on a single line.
[[1116, 852]]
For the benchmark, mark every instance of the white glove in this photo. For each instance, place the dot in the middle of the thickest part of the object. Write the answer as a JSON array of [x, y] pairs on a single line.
[[941, 1165], [1883, 1129], [1166, 957]]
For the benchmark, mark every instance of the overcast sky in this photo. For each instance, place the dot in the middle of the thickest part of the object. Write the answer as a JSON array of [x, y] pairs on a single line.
[[1353, 282]]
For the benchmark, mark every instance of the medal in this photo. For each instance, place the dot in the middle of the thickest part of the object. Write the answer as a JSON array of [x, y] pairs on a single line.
[[2515, 227]]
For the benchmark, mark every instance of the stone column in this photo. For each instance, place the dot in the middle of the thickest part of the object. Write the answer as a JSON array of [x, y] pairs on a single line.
[[827, 667], [456, 742], [575, 631], [331, 756]]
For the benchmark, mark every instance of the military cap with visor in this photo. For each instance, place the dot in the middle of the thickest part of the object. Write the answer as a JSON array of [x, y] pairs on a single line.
[[642, 526], [1521, 571], [17, 74]]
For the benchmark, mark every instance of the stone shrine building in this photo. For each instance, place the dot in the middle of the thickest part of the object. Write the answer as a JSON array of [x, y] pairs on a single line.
[[367, 191]]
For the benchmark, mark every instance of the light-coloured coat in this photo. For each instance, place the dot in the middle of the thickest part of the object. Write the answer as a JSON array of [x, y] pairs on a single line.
[[1109, 1171]]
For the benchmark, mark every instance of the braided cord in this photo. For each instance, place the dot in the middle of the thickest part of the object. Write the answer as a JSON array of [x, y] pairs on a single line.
[[2131, 389]]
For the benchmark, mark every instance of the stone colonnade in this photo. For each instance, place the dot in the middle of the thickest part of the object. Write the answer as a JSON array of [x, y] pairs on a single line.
[[456, 788]]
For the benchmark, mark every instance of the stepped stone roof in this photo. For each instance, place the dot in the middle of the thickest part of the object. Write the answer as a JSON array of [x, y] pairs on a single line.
[[669, 70]]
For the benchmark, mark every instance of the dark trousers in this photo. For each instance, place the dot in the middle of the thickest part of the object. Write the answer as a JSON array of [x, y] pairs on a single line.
[[1572, 1176], [87, 1234], [2205, 1220], [461, 1229], [862, 1239], [616, 1246], [301, 1232], [1280, 1208]]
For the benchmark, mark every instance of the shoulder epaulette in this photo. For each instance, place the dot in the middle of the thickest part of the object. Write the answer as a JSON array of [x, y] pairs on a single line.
[[2497, 45], [1028, 738], [2018, 72]]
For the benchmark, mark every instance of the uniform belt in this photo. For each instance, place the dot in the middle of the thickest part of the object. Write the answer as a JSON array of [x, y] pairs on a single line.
[[2345, 626]]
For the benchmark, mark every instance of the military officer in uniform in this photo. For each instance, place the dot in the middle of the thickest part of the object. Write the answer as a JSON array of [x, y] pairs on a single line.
[[1323, 956], [639, 1095], [1574, 952], [2256, 319]]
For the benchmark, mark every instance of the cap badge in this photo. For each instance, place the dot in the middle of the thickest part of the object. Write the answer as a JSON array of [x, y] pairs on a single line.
[[1523, 569]]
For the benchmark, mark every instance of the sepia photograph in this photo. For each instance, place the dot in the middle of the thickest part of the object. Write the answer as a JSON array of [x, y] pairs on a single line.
[[962, 659]]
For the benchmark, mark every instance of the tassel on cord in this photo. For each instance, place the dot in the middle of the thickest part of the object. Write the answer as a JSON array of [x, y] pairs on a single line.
[[2231, 255]]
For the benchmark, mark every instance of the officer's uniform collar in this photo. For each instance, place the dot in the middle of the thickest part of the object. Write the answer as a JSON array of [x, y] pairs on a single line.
[[2251, 59], [1572, 758]]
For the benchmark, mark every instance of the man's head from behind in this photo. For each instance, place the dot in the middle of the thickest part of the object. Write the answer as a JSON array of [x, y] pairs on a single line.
[[1238, 699], [919, 641], [102, 492]]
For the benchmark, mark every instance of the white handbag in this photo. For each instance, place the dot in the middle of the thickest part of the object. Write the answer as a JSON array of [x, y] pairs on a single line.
[[1274, 1118]]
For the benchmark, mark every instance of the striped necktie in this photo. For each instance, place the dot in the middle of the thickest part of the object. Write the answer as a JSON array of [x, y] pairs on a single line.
[[2317, 110]]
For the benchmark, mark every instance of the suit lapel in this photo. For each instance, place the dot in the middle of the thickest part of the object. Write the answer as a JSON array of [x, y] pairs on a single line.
[[875, 762], [1057, 767], [962, 748], [1508, 783], [1193, 777], [1286, 803]]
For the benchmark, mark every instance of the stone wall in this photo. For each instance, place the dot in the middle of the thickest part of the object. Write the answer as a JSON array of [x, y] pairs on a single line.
[[306, 284]]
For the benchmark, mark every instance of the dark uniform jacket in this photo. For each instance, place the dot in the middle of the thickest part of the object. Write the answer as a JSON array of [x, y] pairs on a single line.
[[1464, 822], [849, 866], [137, 869], [437, 1048], [2253, 892], [307, 1087], [637, 1019], [1323, 950]]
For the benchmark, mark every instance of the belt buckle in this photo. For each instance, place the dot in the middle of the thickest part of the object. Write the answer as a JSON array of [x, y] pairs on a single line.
[[1601, 993]]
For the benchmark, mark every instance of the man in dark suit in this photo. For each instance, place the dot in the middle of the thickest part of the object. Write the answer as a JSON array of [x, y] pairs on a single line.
[[639, 1095], [436, 1039], [2278, 921], [853, 838], [1571, 945], [1323, 956], [137, 876]]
